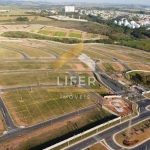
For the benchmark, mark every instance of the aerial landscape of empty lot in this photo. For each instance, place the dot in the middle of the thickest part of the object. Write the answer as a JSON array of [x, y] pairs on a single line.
[[74, 76]]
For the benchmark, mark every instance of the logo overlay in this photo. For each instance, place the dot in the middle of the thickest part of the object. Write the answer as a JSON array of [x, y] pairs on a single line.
[[84, 82]]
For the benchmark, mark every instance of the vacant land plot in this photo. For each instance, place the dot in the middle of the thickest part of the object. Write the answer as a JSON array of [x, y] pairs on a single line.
[[95, 87], [95, 55], [139, 56], [26, 65], [90, 35], [29, 51], [114, 54], [108, 68], [113, 67], [30, 107], [26, 79], [138, 66], [4, 54], [29, 65]]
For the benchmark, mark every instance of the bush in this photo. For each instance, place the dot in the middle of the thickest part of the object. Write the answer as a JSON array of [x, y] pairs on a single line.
[[22, 19]]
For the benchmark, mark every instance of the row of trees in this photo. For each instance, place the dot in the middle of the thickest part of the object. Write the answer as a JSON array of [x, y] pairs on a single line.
[[143, 79]]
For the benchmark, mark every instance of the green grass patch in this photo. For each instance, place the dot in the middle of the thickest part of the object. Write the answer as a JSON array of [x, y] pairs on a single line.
[[60, 34], [140, 44], [109, 68], [31, 106], [29, 51], [22, 34], [26, 79], [45, 32], [76, 35], [140, 57]]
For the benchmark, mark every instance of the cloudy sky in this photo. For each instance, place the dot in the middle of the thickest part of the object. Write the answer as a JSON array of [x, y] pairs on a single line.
[[147, 2]]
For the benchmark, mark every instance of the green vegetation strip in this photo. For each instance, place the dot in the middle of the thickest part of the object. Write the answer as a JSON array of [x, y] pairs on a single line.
[[140, 77], [77, 35], [21, 34], [45, 32], [60, 34]]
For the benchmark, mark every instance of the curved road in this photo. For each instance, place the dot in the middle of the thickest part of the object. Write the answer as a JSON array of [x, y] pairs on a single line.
[[108, 134]]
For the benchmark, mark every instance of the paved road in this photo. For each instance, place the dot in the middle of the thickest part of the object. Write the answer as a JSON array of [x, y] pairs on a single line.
[[107, 135], [9, 123], [12, 49], [16, 132], [113, 85]]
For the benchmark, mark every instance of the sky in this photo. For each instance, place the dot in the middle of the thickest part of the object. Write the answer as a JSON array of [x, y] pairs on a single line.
[[145, 2]]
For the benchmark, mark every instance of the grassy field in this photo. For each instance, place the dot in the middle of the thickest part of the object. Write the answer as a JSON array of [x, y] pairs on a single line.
[[59, 33], [138, 66], [141, 137], [30, 107], [99, 88], [15, 13], [139, 56], [26, 79], [26, 65], [29, 51], [95, 55], [140, 44], [113, 53], [45, 32], [76, 35], [4, 54], [29, 65], [109, 68]]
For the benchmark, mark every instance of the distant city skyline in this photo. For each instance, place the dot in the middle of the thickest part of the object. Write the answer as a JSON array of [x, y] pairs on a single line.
[[143, 2]]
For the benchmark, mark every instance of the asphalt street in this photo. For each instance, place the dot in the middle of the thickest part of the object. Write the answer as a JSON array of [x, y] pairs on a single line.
[[16, 132], [116, 87], [9, 123], [108, 134]]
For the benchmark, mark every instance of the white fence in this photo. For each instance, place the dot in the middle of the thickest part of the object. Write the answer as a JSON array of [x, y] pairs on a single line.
[[113, 96], [81, 134], [137, 71]]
